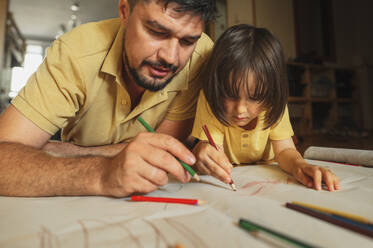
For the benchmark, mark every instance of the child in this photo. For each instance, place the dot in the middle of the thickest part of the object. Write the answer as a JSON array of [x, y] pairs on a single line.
[[243, 104]]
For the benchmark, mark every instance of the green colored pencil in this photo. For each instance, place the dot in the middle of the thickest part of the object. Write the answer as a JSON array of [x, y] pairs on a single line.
[[252, 227], [186, 167]]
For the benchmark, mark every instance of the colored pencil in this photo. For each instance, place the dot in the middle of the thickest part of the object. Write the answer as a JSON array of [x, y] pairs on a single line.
[[166, 200], [336, 212], [211, 141], [331, 219], [186, 167], [251, 226]]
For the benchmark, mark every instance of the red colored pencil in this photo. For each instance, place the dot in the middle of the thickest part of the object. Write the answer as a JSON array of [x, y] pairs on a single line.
[[166, 200], [211, 141]]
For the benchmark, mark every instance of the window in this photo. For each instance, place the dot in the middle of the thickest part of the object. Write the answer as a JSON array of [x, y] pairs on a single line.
[[20, 75]]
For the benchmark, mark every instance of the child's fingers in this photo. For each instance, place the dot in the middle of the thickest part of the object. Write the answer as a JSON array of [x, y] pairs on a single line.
[[202, 168], [217, 171], [207, 153], [337, 186], [221, 159], [303, 178], [315, 173], [328, 178]]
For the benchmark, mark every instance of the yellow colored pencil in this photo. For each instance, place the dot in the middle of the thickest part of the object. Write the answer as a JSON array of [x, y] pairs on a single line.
[[336, 212]]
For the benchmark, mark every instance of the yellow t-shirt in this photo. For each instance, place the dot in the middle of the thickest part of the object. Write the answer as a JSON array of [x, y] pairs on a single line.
[[241, 146], [79, 88]]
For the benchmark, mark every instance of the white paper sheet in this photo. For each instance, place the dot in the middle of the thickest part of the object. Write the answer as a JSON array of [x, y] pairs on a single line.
[[262, 192]]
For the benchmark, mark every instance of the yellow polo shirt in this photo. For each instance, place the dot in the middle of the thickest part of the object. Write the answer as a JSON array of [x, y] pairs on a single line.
[[240, 145], [79, 88]]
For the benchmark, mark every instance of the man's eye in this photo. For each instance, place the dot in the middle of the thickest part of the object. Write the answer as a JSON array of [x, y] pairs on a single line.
[[157, 33], [186, 42]]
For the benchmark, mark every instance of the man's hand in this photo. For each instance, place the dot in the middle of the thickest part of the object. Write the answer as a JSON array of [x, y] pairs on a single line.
[[213, 162], [143, 165]]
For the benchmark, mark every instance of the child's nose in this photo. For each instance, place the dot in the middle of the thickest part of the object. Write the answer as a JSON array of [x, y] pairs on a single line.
[[241, 107]]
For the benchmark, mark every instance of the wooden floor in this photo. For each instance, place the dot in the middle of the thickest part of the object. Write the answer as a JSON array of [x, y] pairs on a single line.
[[365, 143]]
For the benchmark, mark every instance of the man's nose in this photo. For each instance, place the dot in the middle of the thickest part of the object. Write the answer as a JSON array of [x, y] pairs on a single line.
[[169, 52]]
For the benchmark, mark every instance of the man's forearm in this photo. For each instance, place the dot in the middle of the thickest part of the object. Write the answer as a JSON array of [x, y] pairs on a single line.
[[26, 171], [64, 149]]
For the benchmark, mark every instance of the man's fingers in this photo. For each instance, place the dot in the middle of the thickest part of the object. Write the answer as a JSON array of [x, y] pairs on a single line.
[[158, 154], [154, 175], [145, 186], [168, 143], [165, 161]]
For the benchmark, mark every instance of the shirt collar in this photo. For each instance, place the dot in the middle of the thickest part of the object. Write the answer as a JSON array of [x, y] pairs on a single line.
[[113, 61]]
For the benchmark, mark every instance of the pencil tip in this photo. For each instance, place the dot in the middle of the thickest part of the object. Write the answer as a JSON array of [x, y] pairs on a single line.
[[233, 186], [196, 177]]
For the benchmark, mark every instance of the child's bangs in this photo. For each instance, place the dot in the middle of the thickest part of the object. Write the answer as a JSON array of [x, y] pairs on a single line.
[[233, 83], [239, 80]]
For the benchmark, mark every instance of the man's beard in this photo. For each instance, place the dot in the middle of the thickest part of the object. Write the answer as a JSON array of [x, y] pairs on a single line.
[[153, 84]]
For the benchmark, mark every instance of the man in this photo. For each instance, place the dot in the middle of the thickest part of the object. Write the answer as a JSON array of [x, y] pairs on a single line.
[[94, 83]]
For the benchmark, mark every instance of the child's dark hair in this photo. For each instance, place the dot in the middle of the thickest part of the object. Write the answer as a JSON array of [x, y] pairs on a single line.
[[242, 50]]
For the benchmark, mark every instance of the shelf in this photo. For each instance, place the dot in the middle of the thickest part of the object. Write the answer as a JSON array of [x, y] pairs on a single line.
[[322, 99], [310, 111], [300, 99], [346, 100]]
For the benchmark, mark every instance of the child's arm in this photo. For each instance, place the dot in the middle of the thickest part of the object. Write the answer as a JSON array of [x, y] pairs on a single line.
[[212, 162], [291, 161]]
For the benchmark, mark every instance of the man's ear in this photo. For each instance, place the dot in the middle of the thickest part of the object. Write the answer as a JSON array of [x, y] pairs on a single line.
[[124, 11]]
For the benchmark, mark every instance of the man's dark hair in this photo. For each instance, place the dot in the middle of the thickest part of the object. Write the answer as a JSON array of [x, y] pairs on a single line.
[[204, 8], [241, 51]]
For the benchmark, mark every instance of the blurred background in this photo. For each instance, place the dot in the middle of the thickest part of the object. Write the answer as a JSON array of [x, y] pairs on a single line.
[[327, 43]]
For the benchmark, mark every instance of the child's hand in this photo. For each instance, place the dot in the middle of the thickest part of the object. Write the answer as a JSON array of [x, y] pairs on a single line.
[[312, 176], [212, 162]]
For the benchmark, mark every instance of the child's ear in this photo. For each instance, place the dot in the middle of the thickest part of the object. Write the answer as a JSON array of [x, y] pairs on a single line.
[[124, 11]]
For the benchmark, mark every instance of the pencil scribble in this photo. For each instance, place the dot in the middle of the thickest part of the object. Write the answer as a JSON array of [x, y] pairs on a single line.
[[186, 231], [255, 183], [158, 233]]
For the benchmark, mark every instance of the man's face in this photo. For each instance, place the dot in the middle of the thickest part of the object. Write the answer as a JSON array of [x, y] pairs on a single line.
[[158, 43]]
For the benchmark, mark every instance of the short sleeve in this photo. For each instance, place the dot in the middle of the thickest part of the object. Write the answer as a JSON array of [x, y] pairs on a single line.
[[204, 116], [184, 105], [282, 129], [54, 93]]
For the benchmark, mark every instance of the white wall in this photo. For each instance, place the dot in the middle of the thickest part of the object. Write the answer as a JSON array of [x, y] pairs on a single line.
[[278, 17]]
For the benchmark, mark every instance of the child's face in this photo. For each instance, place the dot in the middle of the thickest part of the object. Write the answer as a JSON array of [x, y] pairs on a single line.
[[242, 111]]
